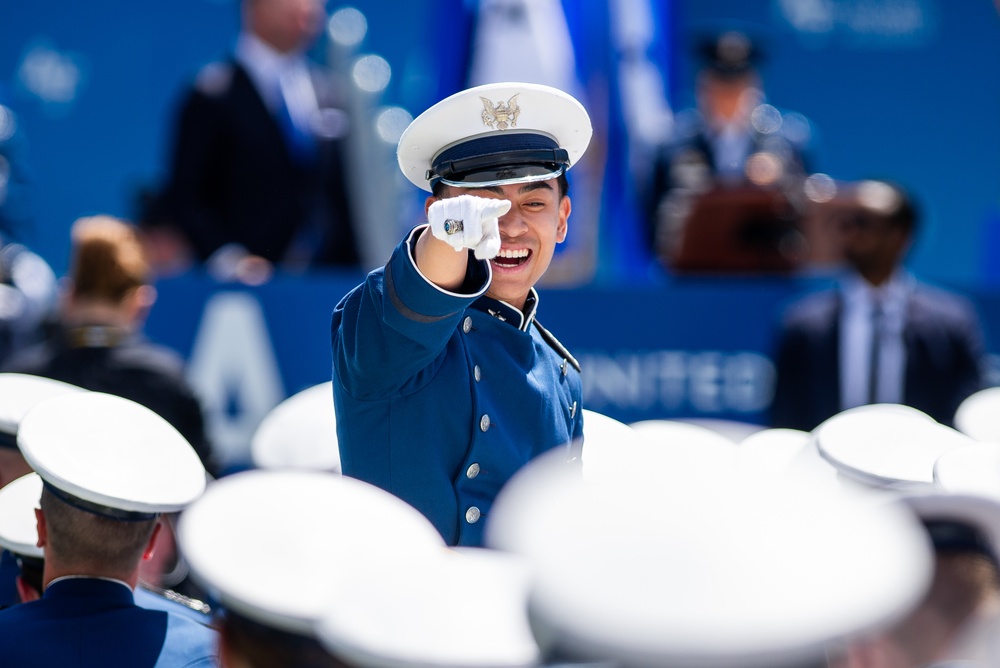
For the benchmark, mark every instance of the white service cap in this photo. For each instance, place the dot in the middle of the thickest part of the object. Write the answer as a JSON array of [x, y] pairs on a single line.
[[110, 455], [463, 608], [704, 571], [19, 393], [976, 416], [970, 469], [495, 134], [780, 453], [18, 526], [605, 442], [939, 510], [886, 446], [275, 546], [299, 433]]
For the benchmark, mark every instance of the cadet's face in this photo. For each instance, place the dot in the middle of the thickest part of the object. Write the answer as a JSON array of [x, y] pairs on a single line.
[[529, 233]]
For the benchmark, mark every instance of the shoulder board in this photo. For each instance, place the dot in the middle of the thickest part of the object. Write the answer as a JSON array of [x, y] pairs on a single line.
[[214, 79], [181, 599], [556, 345]]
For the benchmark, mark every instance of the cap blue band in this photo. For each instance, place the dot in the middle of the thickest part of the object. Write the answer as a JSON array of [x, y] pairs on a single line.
[[497, 150]]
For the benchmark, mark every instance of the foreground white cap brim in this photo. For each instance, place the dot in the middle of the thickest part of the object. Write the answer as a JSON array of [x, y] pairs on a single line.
[[275, 546], [460, 609], [708, 570]]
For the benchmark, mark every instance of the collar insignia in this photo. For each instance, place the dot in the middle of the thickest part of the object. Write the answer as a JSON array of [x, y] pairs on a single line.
[[501, 115]]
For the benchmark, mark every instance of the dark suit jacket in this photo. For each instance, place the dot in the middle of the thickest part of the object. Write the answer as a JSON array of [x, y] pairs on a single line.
[[944, 352], [233, 178]]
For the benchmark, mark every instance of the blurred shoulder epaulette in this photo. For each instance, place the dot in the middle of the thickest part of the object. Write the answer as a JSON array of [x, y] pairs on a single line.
[[214, 79], [187, 601], [175, 597], [557, 346]]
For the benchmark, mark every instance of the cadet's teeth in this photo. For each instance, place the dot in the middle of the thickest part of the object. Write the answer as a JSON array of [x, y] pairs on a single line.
[[514, 254]]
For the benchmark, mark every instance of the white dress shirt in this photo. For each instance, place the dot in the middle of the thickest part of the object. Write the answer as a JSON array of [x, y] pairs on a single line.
[[281, 79], [856, 331]]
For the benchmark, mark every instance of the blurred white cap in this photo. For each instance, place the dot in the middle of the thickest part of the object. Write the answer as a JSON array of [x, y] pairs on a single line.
[[275, 546], [18, 527], [299, 433], [710, 569], [459, 609]]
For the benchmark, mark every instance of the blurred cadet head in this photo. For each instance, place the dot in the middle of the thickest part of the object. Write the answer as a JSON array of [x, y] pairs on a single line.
[[878, 226], [19, 533], [728, 83], [238, 539], [420, 613], [93, 543], [18, 394], [108, 268], [299, 433], [101, 501], [952, 622], [735, 571], [286, 25]]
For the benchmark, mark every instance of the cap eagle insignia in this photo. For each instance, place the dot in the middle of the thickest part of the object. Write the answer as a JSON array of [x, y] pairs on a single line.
[[501, 115]]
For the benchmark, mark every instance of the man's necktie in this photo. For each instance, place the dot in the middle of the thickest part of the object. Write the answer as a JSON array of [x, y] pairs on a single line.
[[877, 316], [300, 141]]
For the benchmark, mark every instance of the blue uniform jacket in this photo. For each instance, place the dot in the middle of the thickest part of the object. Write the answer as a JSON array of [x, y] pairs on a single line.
[[441, 397], [94, 623], [9, 571]]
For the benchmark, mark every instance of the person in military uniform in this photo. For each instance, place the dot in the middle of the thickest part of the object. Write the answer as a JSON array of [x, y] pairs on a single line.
[[19, 538], [109, 468], [732, 139], [444, 382], [18, 393], [322, 521], [655, 558]]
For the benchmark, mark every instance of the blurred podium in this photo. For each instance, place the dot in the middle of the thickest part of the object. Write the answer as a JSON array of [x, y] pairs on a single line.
[[749, 230]]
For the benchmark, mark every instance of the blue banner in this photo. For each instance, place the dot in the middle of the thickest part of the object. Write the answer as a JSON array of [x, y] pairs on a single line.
[[698, 348]]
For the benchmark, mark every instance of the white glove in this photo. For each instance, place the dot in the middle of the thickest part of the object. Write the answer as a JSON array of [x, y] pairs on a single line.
[[467, 221]]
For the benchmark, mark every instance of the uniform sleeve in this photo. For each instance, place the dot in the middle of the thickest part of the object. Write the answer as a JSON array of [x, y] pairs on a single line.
[[389, 333]]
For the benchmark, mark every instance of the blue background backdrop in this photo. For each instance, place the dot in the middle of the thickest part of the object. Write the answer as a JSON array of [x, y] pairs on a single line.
[[905, 89]]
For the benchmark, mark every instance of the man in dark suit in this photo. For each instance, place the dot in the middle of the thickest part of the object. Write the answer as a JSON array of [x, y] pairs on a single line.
[[98, 519], [881, 336], [256, 177]]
